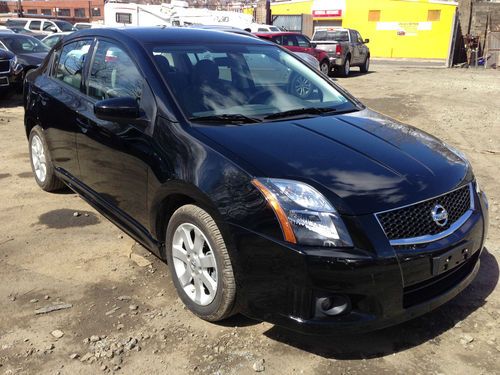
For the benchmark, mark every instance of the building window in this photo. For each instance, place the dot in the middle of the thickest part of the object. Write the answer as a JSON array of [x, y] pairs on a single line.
[[64, 12], [96, 12], [123, 17], [47, 12], [32, 11], [80, 12], [433, 15], [374, 15]]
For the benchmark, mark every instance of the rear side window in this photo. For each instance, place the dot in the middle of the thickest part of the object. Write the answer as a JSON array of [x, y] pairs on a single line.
[[290, 40], [35, 25], [113, 74], [69, 67]]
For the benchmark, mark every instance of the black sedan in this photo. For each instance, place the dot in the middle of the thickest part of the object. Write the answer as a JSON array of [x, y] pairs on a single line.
[[309, 211], [30, 51], [10, 72]]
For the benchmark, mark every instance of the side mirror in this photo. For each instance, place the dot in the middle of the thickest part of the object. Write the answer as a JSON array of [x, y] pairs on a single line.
[[314, 45], [367, 41], [117, 109], [53, 29]]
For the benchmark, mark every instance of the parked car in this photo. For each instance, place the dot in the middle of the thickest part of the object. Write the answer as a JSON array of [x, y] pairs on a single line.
[[22, 30], [345, 47], [82, 25], [40, 26], [51, 40], [5, 29], [316, 214], [304, 56], [10, 72], [260, 28], [30, 51], [298, 42]]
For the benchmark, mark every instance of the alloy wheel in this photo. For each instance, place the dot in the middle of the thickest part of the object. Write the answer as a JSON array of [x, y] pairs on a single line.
[[325, 68], [302, 87], [194, 264], [347, 67], [38, 158]]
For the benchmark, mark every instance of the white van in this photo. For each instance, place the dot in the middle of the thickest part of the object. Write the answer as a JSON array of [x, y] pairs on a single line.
[[40, 26]]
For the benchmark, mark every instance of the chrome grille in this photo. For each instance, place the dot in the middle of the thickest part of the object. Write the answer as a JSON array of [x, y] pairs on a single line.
[[415, 221], [4, 66]]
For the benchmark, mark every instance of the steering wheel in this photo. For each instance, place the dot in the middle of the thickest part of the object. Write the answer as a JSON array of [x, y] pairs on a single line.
[[261, 97]]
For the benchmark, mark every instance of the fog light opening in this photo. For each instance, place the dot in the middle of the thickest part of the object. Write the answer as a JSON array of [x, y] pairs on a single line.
[[333, 305]]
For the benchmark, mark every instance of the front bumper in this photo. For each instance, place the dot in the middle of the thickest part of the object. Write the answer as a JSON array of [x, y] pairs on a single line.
[[281, 284]]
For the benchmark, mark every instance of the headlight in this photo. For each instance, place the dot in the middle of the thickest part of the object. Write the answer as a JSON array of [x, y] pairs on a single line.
[[305, 216], [478, 189], [13, 62]]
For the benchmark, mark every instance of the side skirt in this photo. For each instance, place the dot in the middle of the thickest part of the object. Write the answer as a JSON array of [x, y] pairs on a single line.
[[112, 213]]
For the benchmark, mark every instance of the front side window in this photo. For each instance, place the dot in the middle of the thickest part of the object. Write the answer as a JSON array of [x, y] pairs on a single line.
[[303, 42], [113, 74], [69, 66], [64, 26], [254, 81]]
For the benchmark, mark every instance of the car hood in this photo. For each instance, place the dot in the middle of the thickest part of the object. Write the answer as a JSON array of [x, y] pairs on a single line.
[[6, 54], [363, 162], [31, 58]]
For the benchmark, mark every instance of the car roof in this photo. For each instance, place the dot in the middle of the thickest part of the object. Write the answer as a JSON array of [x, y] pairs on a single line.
[[277, 33], [171, 35]]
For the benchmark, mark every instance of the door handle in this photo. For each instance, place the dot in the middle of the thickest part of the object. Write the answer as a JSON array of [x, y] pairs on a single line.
[[82, 123]]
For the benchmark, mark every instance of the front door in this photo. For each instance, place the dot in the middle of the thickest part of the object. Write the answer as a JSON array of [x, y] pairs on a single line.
[[113, 156]]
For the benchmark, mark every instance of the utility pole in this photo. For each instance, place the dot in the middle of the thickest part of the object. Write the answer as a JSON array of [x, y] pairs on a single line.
[[19, 9]]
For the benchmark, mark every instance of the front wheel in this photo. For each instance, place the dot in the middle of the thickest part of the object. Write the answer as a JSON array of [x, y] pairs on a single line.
[[364, 68], [41, 162], [199, 263]]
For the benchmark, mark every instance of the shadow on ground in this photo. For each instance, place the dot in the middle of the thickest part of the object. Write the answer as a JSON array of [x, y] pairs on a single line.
[[404, 336], [65, 218]]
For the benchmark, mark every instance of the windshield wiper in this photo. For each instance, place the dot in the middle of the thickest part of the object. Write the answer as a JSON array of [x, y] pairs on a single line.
[[226, 118], [301, 111]]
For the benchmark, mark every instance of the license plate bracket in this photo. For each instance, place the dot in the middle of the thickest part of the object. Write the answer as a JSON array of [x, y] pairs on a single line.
[[452, 258]]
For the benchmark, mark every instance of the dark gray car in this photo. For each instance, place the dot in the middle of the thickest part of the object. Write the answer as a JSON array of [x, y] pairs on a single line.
[[345, 48]]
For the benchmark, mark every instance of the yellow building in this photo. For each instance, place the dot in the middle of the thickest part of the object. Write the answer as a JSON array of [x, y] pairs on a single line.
[[396, 28]]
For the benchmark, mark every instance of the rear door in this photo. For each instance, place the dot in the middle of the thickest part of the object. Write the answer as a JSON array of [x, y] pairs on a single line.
[[59, 93], [113, 156]]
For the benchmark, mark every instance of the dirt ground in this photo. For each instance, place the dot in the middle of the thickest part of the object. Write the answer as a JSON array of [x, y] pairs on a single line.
[[121, 311]]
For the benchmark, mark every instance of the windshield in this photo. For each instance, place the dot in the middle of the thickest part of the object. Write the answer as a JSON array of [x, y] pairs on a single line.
[[333, 35], [64, 26], [244, 80], [24, 44]]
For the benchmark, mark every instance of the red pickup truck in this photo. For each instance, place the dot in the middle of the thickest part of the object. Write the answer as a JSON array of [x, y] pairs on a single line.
[[298, 42]]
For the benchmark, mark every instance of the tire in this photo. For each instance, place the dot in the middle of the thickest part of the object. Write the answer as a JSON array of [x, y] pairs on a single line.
[[346, 68], [301, 87], [324, 66], [41, 162], [366, 65], [197, 270]]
